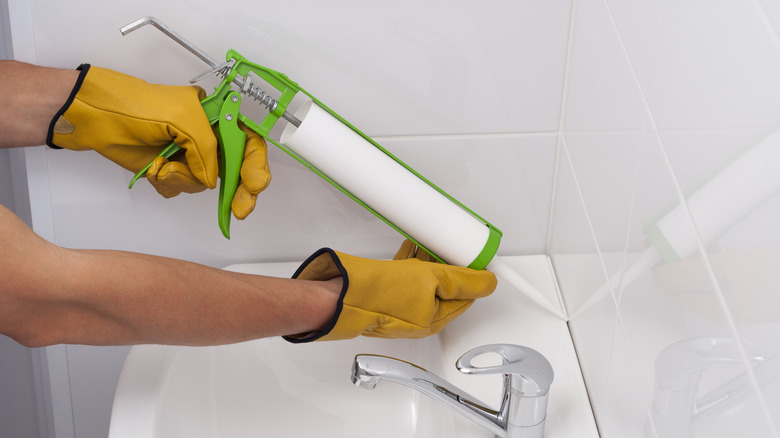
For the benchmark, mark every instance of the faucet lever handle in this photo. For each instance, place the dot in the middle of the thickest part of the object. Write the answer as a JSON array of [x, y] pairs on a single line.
[[516, 360]]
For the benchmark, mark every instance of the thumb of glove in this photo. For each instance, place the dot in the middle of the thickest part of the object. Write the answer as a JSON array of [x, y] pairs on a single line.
[[170, 178]]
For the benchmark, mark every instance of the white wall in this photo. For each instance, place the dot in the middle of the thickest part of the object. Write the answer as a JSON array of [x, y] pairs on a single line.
[[441, 93], [19, 401], [570, 124], [439, 85], [661, 96]]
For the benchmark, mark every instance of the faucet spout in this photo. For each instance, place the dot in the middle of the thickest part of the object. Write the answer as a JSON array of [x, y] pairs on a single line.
[[368, 370], [678, 407], [524, 401]]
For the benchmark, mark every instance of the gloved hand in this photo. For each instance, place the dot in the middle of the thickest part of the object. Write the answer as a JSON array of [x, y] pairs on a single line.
[[130, 121], [407, 297], [170, 178]]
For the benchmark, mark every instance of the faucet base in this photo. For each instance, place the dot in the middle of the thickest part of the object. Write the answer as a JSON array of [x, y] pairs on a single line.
[[527, 379], [536, 431]]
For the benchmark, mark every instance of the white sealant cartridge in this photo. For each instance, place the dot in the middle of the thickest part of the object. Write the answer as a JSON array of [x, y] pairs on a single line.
[[390, 189], [337, 151]]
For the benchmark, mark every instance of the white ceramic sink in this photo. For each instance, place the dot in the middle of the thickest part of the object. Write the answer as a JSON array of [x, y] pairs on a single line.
[[265, 388], [272, 388]]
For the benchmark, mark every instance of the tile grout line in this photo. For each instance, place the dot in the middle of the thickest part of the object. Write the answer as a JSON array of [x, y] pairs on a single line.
[[750, 372], [563, 147], [561, 154], [476, 135], [618, 315], [645, 120], [614, 293], [641, 147], [630, 218], [768, 22], [589, 223], [519, 134], [584, 381], [559, 133]]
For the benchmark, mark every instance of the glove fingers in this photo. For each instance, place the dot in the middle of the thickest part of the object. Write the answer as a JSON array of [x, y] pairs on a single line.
[[243, 202], [255, 173], [129, 121], [406, 251], [447, 312], [424, 256], [409, 250], [453, 282], [387, 326], [393, 298], [133, 159], [456, 283], [170, 178], [200, 144]]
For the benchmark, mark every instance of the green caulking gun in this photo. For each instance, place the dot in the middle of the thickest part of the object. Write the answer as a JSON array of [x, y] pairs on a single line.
[[327, 144]]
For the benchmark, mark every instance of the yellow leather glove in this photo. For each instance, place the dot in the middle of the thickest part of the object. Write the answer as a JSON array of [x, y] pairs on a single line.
[[170, 178], [407, 297], [130, 121]]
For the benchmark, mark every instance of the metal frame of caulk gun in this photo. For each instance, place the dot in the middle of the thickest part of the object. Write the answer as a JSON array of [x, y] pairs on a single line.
[[238, 65]]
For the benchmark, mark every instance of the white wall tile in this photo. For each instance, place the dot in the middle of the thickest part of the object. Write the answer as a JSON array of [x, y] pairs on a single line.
[[468, 94], [706, 72], [714, 67], [713, 94], [505, 179], [299, 212], [602, 92], [452, 70], [461, 92], [636, 22], [570, 231], [770, 11], [619, 200], [625, 410], [706, 78], [400, 68]]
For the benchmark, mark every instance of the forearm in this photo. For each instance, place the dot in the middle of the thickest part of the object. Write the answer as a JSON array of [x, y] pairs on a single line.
[[31, 96], [51, 295], [129, 298]]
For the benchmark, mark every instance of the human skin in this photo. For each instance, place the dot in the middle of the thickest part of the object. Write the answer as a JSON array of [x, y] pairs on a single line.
[[51, 295]]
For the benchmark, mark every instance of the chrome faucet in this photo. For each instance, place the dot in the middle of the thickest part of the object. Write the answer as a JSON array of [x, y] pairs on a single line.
[[526, 385], [678, 409]]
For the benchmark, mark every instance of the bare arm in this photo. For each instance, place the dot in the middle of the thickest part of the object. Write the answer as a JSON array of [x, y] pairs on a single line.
[[51, 295], [31, 96]]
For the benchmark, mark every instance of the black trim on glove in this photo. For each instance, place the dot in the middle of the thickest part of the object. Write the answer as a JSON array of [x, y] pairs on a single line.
[[84, 68], [313, 336]]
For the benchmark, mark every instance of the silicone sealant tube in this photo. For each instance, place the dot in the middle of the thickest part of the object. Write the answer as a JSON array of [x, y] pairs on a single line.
[[729, 196], [370, 175], [409, 203]]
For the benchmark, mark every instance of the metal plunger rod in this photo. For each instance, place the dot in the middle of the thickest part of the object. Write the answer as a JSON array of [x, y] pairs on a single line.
[[141, 22]]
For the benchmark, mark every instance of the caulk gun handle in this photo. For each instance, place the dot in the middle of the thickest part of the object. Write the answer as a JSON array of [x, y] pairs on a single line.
[[232, 141], [222, 112]]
